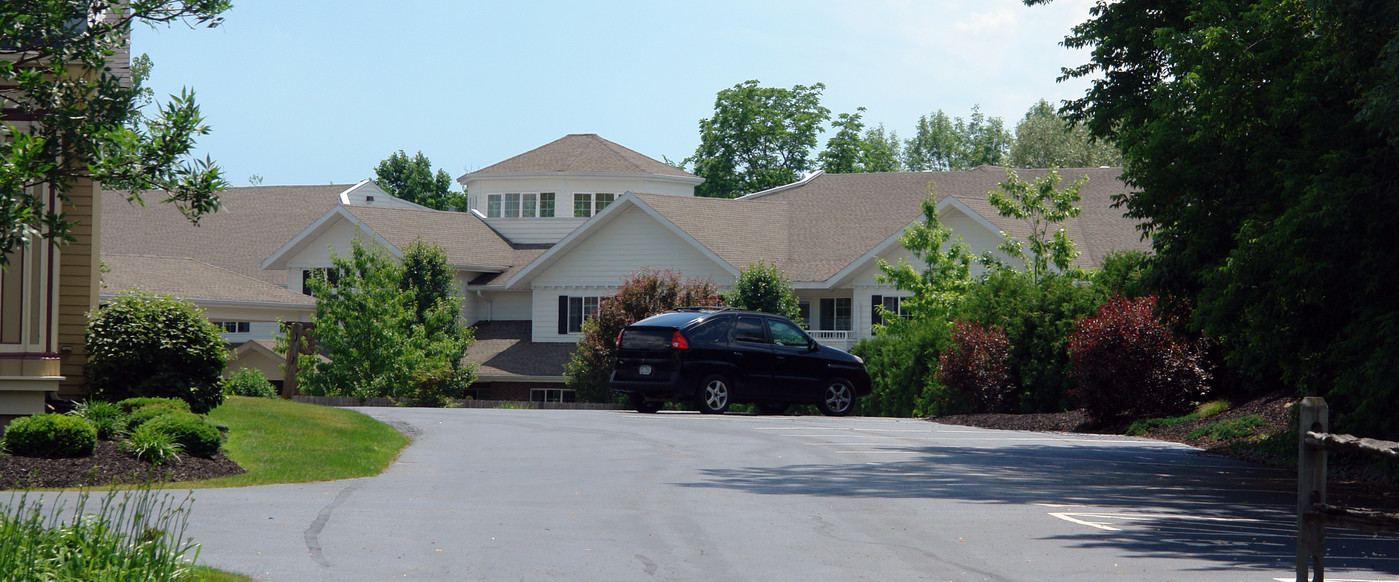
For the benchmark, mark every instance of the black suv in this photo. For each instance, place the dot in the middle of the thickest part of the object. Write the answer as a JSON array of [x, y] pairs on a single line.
[[714, 357]]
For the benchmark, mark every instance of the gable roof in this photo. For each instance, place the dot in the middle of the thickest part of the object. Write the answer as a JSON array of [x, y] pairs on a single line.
[[466, 239], [581, 153], [838, 218], [252, 222], [193, 280], [821, 230]]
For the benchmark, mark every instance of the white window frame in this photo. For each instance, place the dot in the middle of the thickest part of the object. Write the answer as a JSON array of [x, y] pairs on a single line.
[[512, 205], [495, 204], [551, 394], [586, 198], [587, 308], [548, 200], [599, 203]]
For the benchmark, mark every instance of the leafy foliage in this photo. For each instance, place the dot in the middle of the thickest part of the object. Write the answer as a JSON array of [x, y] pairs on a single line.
[[148, 443], [133, 536], [945, 275], [641, 295], [850, 151], [107, 418], [249, 382], [1037, 319], [1261, 138], [902, 370], [368, 324], [1234, 428], [1123, 273], [1128, 363], [412, 179], [130, 405], [1044, 139], [195, 435], [50, 435], [138, 417], [941, 143], [975, 368], [758, 138], [85, 123], [763, 287], [1043, 207], [144, 344]]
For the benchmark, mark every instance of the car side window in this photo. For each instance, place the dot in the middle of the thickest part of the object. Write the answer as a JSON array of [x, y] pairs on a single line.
[[786, 334], [714, 330], [750, 329]]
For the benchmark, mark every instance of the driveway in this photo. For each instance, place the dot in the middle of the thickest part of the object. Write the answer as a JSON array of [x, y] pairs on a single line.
[[607, 495]]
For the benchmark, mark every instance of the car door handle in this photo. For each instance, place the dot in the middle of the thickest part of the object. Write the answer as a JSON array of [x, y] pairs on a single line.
[[739, 354]]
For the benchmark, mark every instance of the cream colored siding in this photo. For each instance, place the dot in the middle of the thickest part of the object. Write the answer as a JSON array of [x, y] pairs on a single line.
[[79, 279], [632, 241], [510, 305]]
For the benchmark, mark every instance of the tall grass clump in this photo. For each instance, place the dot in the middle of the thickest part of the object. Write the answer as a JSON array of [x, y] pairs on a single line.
[[133, 535]]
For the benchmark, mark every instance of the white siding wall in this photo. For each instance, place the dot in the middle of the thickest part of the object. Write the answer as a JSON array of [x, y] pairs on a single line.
[[597, 265], [317, 253]]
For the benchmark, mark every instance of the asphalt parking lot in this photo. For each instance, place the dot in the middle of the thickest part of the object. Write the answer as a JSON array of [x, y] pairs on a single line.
[[607, 495]]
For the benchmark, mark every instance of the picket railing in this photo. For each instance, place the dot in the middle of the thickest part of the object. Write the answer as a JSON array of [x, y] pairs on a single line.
[[1313, 512]]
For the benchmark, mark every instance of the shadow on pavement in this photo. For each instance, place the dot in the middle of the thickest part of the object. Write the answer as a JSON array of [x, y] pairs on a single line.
[[1165, 503]]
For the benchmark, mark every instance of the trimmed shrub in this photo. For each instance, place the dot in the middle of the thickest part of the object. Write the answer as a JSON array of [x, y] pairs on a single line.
[[976, 367], [151, 445], [434, 388], [901, 366], [141, 415], [249, 382], [50, 435], [1037, 318], [195, 435], [144, 344], [1127, 363], [133, 404], [763, 287], [106, 417]]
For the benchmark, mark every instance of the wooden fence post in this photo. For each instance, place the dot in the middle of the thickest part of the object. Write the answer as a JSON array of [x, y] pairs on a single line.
[[1311, 489]]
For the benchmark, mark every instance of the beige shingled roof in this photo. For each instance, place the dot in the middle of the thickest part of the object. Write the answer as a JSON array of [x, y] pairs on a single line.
[[254, 222], [740, 232], [582, 153], [191, 279], [465, 238], [837, 218]]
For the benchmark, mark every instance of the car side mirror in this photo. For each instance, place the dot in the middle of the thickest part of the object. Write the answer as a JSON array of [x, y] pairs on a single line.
[[812, 346]]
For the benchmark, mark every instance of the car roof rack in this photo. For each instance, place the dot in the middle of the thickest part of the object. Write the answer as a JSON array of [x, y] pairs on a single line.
[[705, 309]]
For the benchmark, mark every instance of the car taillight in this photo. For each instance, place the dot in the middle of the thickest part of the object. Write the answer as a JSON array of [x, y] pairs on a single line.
[[619, 338], [678, 342]]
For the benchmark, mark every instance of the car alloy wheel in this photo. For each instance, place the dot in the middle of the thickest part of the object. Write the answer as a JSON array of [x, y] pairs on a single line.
[[837, 399], [714, 395]]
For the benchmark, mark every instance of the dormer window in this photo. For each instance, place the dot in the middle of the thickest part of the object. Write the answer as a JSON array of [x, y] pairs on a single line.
[[520, 205], [586, 204]]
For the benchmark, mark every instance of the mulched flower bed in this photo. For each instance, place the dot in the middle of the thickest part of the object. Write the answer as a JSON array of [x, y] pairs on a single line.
[[107, 465]]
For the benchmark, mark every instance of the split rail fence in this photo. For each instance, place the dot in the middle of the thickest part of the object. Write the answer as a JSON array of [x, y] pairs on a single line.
[[1313, 512]]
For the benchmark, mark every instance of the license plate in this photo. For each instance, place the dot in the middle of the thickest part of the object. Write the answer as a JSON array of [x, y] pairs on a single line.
[[644, 370]]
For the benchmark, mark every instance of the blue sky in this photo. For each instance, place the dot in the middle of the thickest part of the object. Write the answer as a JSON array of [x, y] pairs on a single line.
[[316, 92]]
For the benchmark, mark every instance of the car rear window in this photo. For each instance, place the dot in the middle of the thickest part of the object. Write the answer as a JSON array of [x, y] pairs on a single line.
[[712, 331], [647, 339]]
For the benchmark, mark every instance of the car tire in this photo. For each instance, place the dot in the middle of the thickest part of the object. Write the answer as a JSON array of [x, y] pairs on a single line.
[[837, 398], [641, 405], [715, 394], [773, 407]]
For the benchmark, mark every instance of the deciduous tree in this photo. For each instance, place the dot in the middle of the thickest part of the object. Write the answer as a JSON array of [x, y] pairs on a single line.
[[412, 179], [368, 325], [763, 287], [1260, 138], [1044, 139], [758, 138], [69, 117]]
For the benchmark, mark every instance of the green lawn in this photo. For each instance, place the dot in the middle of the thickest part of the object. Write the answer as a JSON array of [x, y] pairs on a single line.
[[280, 441]]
